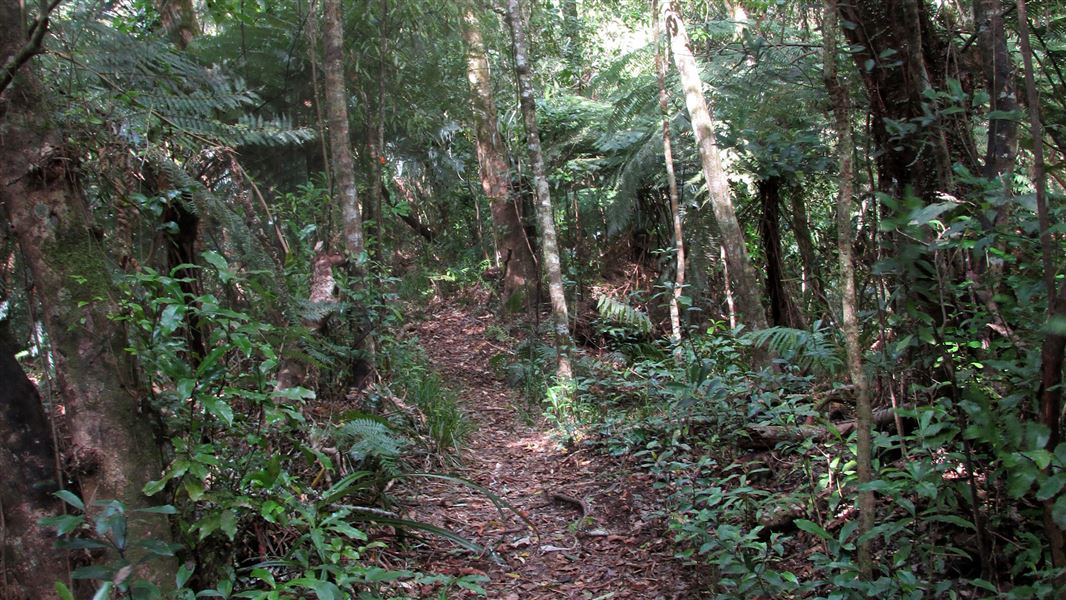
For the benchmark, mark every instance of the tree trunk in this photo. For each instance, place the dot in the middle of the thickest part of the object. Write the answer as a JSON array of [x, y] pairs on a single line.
[[805, 242], [376, 143], [849, 300], [549, 245], [513, 252], [671, 181], [28, 462], [340, 151], [740, 269], [1054, 346], [179, 21], [783, 311], [574, 48], [1002, 146], [900, 57], [113, 448]]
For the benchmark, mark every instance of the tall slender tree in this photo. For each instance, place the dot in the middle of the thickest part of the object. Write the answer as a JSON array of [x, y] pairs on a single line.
[[743, 275], [548, 242], [849, 299], [513, 251], [340, 151], [671, 179]]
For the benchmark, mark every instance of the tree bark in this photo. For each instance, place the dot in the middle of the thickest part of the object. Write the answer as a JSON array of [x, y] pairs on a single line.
[[671, 182], [1002, 146], [1054, 346], [28, 462], [849, 300], [179, 21], [113, 449], [512, 251], [900, 57], [783, 311], [341, 153], [549, 245], [805, 242], [376, 143], [743, 275]]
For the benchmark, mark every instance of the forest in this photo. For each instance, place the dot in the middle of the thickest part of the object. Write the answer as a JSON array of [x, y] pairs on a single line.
[[589, 299]]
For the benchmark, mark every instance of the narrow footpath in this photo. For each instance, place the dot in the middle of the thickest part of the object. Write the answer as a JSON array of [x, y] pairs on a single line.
[[595, 536]]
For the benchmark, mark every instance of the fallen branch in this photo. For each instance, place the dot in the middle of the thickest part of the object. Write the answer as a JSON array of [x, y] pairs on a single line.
[[768, 436]]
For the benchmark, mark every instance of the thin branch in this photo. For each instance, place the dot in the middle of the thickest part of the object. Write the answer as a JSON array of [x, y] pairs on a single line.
[[31, 48]]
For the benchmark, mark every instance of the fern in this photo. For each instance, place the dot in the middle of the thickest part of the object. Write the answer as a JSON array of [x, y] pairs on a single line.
[[623, 314], [811, 350], [372, 442]]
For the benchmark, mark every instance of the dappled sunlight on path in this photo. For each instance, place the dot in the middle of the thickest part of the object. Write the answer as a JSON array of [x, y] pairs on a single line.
[[594, 537]]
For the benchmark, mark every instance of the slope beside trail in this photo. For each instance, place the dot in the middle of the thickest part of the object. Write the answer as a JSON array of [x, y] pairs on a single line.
[[616, 550]]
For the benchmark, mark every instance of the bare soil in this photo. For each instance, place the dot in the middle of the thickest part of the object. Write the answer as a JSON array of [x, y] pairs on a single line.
[[619, 549]]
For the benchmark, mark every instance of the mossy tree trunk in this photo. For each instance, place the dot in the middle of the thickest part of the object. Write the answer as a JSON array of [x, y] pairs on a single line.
[[113, 449]]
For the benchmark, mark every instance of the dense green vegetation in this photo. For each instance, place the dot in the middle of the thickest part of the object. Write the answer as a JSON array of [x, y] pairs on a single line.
[[830, 324]]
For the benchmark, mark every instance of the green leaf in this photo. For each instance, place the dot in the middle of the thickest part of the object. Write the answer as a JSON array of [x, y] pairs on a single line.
[[220, 409], [158, 547], [926, 214], [90, 572], [171, 318], [228, 523], [1058, 512], [70, 498], [952, 519], [216, 260], [813, 528], [1041, 457], [154, 487], [185, 571], [265, 576], [324, 590], [64, 524], [104, 592], [1019, 480], [163, 509], [1051, 486], [63, 591], [194, 487], [184, 389]]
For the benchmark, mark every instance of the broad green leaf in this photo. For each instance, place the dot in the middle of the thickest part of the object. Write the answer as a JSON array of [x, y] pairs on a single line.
[[70, 498], [63, 524], [194, 487], [185, 571], [813, 528], [1051, 487], [228, 523], [928, 213]]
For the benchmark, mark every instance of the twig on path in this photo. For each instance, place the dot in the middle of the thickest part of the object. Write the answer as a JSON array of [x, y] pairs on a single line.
[[580, 503]]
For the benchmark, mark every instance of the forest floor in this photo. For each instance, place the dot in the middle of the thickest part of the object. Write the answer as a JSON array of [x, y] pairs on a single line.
[[594, 533]]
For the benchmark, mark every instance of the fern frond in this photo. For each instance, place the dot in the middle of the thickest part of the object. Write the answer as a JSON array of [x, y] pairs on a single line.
[[623, 314], [815, 349]]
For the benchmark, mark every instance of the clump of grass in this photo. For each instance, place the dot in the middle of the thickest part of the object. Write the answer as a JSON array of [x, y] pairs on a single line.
[[446, 425]]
